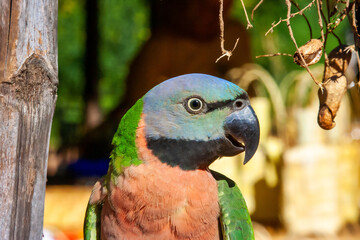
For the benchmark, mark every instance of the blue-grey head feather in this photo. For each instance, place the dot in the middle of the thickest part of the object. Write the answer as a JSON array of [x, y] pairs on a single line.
[[166, 116]]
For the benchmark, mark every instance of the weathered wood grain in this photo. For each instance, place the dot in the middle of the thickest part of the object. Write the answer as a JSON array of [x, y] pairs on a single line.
[[28, 86]]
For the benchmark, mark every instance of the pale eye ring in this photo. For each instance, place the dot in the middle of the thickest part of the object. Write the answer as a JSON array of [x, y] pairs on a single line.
[[194, 105]]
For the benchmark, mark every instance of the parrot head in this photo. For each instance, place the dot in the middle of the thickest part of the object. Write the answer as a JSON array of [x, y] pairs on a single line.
[[192, 120]]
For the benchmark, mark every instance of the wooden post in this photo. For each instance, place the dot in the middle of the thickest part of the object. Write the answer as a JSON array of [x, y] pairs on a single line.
[[28, 86]]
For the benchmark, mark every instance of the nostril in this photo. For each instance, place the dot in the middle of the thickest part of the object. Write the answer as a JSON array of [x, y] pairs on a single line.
[[239, 104]]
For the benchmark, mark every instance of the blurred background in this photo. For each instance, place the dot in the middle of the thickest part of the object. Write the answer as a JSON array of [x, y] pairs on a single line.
[[303, 183]]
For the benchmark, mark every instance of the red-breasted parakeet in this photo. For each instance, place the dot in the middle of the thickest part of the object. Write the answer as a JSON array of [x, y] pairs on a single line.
[[158, 184]]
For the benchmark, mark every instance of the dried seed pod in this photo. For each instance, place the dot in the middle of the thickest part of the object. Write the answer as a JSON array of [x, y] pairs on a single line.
[[334, 86], [311, 52]]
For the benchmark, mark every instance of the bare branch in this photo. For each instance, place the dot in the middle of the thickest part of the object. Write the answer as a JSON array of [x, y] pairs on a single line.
[[320, 22], [322, 13], [273, 25], [254, 9], [249, 25], [307, 21], [333, 25], [323, 36]]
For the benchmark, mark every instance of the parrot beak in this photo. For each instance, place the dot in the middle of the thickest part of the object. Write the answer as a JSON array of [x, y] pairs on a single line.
[[243, 131]]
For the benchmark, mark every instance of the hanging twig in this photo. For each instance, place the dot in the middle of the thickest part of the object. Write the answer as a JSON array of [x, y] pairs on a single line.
[[320, 23], [227, 52], [288, 4], [273, 25], [249, 25], [254, 9], [322, 13], [222, 39]]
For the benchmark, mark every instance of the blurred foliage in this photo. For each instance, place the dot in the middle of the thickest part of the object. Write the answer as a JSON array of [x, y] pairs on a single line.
[[71, 38], [123, 27]]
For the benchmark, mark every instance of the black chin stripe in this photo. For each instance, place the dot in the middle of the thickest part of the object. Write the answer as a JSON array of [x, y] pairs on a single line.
[[187, 154]]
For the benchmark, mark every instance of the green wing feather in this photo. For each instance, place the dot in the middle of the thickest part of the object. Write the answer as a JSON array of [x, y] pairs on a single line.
[[234, 217], [92, 222]]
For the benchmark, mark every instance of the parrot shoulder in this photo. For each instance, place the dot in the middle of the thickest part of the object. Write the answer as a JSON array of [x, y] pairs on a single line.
[[234, 218]]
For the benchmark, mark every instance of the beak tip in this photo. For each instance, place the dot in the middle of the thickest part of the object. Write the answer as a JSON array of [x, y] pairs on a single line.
[[247, 157]]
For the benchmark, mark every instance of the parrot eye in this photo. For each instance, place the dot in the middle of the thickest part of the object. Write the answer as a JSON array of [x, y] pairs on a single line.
[[194, 105]]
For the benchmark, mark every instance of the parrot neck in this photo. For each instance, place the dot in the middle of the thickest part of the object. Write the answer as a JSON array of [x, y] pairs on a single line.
[[125, 153]]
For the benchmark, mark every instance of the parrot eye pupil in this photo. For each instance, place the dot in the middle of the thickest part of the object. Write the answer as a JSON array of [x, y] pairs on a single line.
[[239, 104], [194, 105]]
